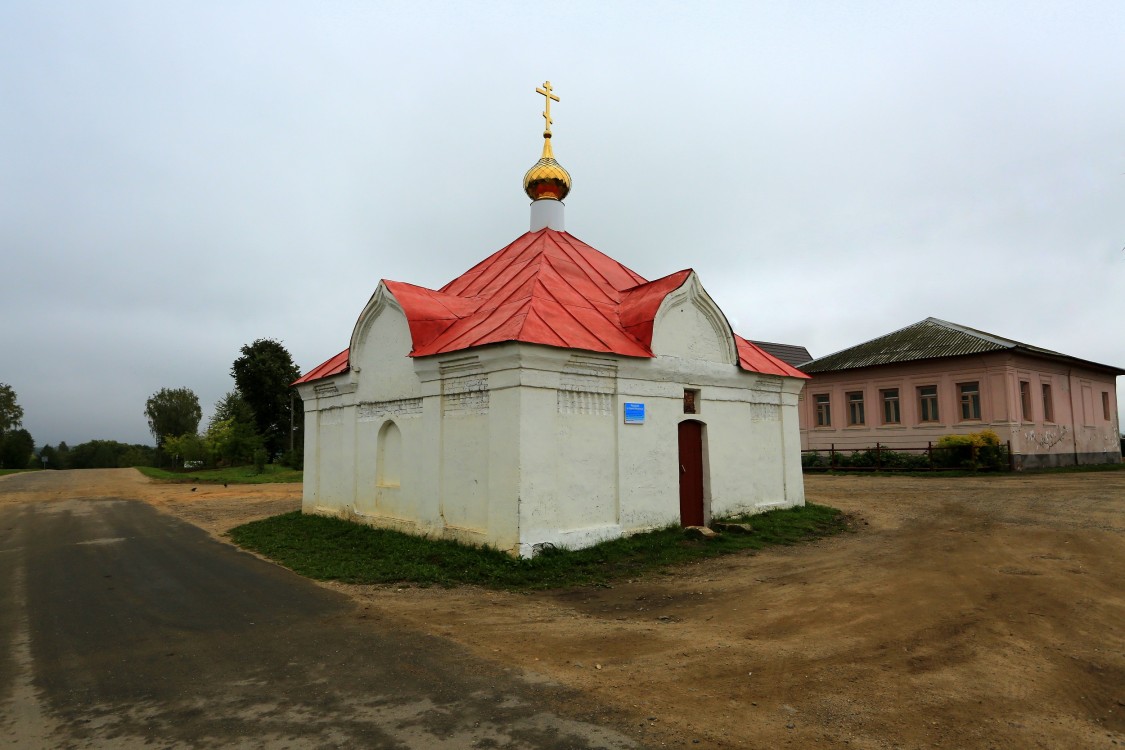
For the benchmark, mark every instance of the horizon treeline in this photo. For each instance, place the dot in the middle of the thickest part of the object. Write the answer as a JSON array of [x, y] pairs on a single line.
[[260, 421]]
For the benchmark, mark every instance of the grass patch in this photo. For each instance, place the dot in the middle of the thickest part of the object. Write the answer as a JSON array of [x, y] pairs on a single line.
[[15, 471], [331, 549], [270, 474]]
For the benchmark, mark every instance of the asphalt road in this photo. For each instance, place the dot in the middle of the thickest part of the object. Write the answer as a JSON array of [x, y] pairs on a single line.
[[123, 627]]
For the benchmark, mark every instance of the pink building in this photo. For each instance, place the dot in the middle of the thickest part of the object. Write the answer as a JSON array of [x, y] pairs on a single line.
[[934, 378]]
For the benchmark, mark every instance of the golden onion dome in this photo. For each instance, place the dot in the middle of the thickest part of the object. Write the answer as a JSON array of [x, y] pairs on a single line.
[[546, 180]]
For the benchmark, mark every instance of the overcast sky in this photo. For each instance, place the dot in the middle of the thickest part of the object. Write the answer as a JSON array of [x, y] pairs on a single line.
[[179, 179]]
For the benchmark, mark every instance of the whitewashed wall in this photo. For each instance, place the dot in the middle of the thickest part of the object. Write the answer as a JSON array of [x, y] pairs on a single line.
[[519, 445]]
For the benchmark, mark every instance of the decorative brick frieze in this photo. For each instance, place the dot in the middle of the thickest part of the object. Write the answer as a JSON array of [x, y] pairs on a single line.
[[330, 417], [464, 388], [584, 402], [764, 413], [587, 385], [375, 410], [768, 384]]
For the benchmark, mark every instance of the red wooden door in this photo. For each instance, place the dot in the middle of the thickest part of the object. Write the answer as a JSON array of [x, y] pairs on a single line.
[[691, 473]]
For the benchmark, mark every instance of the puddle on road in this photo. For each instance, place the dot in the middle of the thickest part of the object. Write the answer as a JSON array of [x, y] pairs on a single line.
[[112, 540]]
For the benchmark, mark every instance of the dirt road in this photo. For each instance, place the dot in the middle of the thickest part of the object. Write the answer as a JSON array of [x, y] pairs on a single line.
[[962, 613], [124, 627]]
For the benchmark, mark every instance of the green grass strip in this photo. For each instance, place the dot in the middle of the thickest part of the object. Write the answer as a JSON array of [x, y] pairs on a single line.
[[270, 474], [332, 549]]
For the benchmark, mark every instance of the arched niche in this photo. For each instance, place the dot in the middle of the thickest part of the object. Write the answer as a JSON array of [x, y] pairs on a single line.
[[388, 459]]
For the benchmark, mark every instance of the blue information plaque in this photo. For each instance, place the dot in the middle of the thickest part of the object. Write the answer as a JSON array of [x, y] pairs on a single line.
[[634, 413]]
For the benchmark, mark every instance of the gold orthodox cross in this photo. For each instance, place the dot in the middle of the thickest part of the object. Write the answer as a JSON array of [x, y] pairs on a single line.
[[546, 92]]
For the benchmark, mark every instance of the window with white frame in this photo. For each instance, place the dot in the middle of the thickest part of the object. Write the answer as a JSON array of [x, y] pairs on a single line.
[[855, 408], [970, 400], [927, 403], [891, 413], [823, 410]]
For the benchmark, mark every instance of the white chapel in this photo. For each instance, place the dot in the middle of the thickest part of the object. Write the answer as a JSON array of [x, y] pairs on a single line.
[[548, 396]]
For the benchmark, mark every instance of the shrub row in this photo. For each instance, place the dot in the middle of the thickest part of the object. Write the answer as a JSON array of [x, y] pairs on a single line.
[[977, 451]]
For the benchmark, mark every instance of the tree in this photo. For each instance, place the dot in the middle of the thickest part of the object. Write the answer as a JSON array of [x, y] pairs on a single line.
[[16, 449], [11, 413], [137, 455], [171, 412], [107, 454], [232, 407], [187, 449], [232, 432], [232, 442], [52, 456], [263, 374]]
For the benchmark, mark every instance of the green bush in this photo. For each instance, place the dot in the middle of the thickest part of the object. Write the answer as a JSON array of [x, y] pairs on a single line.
[[862, 459], [293, 459], [868, 458], [904, 460], [973, 451], [813, 460]]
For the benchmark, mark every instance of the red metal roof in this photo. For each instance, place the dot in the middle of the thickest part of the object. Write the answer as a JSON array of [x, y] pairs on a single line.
[[549, 288], [334, 366], [753, 358]]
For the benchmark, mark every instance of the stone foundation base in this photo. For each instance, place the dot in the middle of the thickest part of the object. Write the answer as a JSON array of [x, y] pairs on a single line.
[[1049, 460]]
